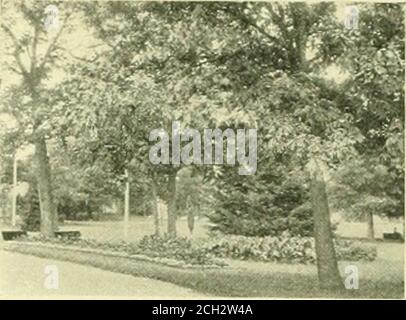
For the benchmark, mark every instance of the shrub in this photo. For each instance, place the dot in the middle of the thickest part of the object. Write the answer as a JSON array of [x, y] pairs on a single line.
[[355, 250], [265, 204], [175, 248], [284, 248], [31, 219], [180, 249]]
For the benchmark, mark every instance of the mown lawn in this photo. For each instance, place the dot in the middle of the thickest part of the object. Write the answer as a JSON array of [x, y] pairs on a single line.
[[142, 226], [139, 227], [382, 278]]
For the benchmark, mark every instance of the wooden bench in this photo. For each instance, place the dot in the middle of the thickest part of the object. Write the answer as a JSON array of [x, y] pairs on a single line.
[[394, 236], [11, 235], [68, 234]]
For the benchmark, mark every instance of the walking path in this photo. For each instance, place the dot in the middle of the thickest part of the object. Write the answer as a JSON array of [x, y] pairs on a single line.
[[27, 276]]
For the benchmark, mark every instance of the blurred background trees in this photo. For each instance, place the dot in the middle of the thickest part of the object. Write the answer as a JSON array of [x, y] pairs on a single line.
[[327, 102]]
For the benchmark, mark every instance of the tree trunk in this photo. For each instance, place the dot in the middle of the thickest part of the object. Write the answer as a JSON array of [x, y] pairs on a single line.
[[120, 207], [370, 226], [191, 221], [14, 202], [155, 210], [172, 206], [327, 268], [1, 199], [126, 204], [43, 173], [88, 210], [190, 216]]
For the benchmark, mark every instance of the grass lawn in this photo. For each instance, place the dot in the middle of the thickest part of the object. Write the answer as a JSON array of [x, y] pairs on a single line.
[[142, 226], [138, 228], [245, 279], [382, 278]]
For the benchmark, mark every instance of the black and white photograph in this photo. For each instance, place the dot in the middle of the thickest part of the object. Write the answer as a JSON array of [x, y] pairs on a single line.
[[186, 150]]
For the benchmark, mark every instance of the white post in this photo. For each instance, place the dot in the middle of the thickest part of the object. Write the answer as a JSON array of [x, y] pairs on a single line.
[[14, 204], [126, 204]]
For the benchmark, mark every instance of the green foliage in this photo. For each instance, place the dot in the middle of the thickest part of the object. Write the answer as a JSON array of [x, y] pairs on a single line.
[[285, 248], [374, 96], [71, 209], [195, 194], [364, 187], [279, 249], [180, 249], [225, 67], [282, 249], [233, 65], [177, 248], [266, 204], [352, 250], [31, 211]]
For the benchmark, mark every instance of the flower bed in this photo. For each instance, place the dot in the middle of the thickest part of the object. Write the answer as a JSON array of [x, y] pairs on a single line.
[[285, 249], [209, 252], [283, 281], [171, 252]]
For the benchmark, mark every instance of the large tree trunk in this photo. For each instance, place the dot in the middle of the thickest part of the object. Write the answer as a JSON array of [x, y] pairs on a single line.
[[49, 217], [327, 268], [370, 226], [172, 215]]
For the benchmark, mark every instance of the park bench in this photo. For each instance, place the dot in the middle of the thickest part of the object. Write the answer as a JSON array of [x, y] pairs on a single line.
[[394, 236], [68, 234], [11, 235]]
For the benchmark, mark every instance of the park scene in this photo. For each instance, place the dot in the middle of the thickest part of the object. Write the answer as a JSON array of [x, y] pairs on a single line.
[[202, 150]]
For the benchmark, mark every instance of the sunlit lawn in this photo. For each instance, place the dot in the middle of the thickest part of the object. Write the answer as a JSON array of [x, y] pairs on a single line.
[[380, 278], [138, 228]]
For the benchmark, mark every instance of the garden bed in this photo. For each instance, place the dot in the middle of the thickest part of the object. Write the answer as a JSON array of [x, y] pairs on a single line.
[[284, 249], [26, 245], [277, 280], [182, 252]]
